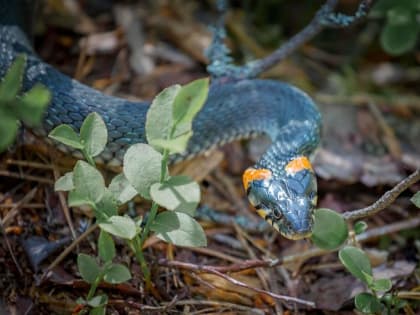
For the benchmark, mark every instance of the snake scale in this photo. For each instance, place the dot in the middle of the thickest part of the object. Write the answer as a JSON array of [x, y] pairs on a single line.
[[281, 185]]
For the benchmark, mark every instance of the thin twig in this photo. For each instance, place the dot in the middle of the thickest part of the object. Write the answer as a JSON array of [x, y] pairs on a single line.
[[324, 17], [68, 250], [210, 269], [313, 252], [389, 137], [64, 207], [13, 212], [386, 199], [26, 177]]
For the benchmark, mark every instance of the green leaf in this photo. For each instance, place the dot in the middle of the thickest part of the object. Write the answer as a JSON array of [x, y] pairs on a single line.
[[360, 227], [31, 106], [106, 207], [367, 303], [88, 268], [188, 103], [178, 193], [12, 81], [106, 246], [122, 189], [159, 119], [120, 226], [330, 229], [382, 285], [77, 199], [88, 182], [8, 129], [93, 134], [66, 135], [179, 228], [142, 167], [99, 300], [356, 262], [117, 273], [175, 145], [368, 278], [401, 36], [416, 199], [64, 183], [100, 310], [400, 15]]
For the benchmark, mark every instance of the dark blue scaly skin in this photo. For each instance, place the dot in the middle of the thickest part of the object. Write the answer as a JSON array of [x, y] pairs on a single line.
[[234, 109]]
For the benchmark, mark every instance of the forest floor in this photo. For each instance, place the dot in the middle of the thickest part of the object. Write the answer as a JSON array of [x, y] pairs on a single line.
[[370, 104]]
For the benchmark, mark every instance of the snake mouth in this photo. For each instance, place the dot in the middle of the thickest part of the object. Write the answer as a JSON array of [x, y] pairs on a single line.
[[297, 236]]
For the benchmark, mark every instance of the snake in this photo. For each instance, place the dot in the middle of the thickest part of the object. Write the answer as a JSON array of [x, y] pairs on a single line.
[[281, 186]]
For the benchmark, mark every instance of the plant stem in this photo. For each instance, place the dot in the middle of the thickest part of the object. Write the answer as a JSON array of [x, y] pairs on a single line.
[[150, 219], [139, 242], [164, 165], [88, 158], [93, 287], [91, 293], [138, 251]]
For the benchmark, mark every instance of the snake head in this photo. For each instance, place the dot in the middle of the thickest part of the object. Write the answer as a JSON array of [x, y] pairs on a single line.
[[286, 202]]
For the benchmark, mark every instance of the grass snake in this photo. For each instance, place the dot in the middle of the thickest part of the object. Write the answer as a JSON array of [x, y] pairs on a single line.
[[281, 185]]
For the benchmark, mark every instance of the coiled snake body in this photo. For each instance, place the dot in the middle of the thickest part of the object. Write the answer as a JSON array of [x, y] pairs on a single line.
[[281, 186]]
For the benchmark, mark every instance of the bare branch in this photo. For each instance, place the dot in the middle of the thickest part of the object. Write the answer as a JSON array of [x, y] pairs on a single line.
[[386, 199], [325, 17], [210, 269]]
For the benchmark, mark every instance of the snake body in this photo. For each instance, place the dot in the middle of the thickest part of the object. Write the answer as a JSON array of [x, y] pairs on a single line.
[[281, 185]]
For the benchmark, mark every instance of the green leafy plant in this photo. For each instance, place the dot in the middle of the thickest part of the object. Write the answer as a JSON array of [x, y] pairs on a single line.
[[15, 106], [145, 173], [94, 273], [402, 26], [331, 233]]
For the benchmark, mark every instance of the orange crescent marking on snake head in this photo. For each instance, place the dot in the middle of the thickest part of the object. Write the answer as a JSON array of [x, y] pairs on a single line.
[[298, 164], [252, 174]]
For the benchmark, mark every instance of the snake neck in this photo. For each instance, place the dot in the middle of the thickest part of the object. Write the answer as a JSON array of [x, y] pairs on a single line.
[[294, 140]]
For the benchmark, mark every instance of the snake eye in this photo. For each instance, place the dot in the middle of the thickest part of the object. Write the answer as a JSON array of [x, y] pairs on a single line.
[[276, 213]]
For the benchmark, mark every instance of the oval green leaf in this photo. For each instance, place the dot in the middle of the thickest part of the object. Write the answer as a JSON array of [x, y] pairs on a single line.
[[123, 227], [122, 189], [178, 193], [382, 285], [159, 121], [93, 134], [188, 103], [106, 246], [117, 273], [106, 207], [175, 145], [64, 183], [11, 83], [142, 167], [356, 262], [32, 104], [330, 229], [88, 268], [400, 38], [360, 227], [367, 303], [97, 301], [88, 182], [179, 229], [66, 135]]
